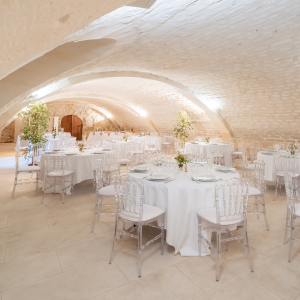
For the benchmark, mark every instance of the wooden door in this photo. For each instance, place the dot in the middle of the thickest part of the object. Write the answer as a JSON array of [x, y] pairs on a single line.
[[73, 125], [76, 128]]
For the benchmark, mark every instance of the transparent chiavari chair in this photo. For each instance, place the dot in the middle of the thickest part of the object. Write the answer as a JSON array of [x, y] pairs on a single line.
[[293, 210], [55, 175], [23, 170], [100, 192], [111, 166], [284, 164], [230, 209], [258, 191], [130, 207], [248, 167]]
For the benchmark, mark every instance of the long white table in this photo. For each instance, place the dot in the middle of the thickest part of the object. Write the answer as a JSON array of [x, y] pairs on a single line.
[[201, 147], [181, 199]]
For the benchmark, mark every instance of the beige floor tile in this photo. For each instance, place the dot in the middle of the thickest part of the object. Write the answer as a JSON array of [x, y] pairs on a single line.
[[239, 288], [278, 275], [3, 221], [25, 230], [2, 252], [202, 271], [92, 251], [167, 284], [152, 260], [80, 284], [28, 270], [62, 223], [47, 242]]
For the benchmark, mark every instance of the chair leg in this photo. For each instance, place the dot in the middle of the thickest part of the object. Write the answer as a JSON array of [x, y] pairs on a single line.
[[162, 238], [276, 186], [97, 211], [37, 181], [140, 243], [218, 254], [292, 237], [199, 236], [247, 248], [257, 207], [264, 211], [115, 240], [287, 225], [63, 189], [15, 184], [45, 185], [227, 236]]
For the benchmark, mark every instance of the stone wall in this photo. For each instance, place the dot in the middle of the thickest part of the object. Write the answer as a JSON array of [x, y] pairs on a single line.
[[91, 119], [8, 133]]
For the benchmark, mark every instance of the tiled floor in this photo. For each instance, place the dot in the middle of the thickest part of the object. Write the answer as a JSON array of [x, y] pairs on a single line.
[[47, 252]]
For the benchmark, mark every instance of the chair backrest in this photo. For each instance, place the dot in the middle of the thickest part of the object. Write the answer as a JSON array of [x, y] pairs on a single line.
[[259, 175], [290, 191], [113, 161], [231, 201], [285, 164], [54, 163], [129, 195], [99, 174], [245, 157]]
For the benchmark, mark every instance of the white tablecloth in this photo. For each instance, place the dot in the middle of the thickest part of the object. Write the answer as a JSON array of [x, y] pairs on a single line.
[[58, 143], [270, 170], [83, 165], [116, 146], [202, 147], [181, 199]]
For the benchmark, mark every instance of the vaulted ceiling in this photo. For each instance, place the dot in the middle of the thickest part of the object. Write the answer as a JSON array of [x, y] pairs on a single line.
[[233, 64]]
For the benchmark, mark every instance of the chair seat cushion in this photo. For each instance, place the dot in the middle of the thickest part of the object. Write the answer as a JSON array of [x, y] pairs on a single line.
[[210, 215], [29, 169], [60, 173], [111, 169], [137, 152], [281, 173], [124, 161], [250, 166], [107, 191], [149, 212], [297, 209], [252, 191], [237, 153]]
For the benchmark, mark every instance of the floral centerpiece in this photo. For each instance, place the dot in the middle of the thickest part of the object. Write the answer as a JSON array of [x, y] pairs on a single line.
[[207, 139], [183, 125], [125, 137], [35, 120], [149, 133], [80, 147], [292, 148], [54, 133], [132, 130], [181, 159]]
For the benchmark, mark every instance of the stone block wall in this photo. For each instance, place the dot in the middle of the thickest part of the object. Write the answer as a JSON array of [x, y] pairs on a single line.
[[8, 133]]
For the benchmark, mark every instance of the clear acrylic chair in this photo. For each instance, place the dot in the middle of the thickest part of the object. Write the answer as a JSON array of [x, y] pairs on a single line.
[[248, 167], [230, 209], [284, 164], [131, 208], [111, 166], [293, 210], [258, 191], [100, 192], [55, 175], [24, 170]]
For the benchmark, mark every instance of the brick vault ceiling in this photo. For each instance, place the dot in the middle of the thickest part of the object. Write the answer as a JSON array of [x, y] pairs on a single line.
[[241, 57]]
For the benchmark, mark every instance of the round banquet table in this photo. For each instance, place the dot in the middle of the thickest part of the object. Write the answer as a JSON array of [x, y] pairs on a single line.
[[202, 147], [116, 145], [270, 171], [83, 164], [57, 143], [181, 199]]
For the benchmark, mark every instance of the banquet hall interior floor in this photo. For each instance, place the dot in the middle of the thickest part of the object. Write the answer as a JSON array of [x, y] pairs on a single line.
[[47, 251]]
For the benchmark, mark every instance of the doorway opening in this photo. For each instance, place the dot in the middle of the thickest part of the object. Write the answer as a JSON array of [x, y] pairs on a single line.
[[73, 125]]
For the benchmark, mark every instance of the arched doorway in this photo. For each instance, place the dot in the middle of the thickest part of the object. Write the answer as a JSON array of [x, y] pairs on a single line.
[[73, 125]]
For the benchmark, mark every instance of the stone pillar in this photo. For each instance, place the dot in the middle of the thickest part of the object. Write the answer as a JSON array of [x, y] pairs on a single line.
[[55, 125]]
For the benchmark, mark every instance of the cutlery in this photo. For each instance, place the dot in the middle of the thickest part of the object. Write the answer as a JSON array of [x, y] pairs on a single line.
[[169, 180]]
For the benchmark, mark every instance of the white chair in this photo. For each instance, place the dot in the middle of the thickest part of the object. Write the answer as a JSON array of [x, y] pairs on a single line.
[[137, 152], [124, 160], [131, 208], [56, 175], [247, 167], [293, 211], [230, 209], [100, 192], [167, 143], [24, 170], [258, 191], [284, 164], [111, 166]]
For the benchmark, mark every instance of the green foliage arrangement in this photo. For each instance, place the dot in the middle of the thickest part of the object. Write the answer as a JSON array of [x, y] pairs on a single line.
[[183, 125], [181, 158], [35, 120]]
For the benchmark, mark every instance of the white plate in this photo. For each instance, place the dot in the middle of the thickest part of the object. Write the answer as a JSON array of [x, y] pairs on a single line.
[[56, 149], [267, 153], [139, 170], [225, 169], [70, 154], [157, 177], [193, 142], [97, 152], [106, 149], [206, 178]]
